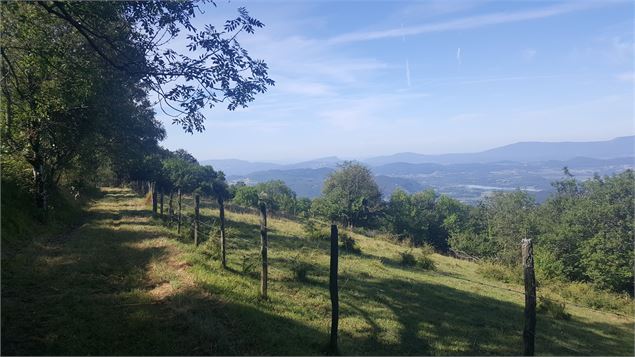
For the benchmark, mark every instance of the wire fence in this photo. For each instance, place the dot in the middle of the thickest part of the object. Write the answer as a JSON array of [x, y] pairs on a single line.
[[318, 242]]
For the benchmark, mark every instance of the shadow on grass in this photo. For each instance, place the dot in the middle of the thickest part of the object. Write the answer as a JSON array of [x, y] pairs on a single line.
[[88, 294]]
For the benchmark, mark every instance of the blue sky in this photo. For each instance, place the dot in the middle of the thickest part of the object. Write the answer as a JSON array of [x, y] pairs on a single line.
[[357, 79]]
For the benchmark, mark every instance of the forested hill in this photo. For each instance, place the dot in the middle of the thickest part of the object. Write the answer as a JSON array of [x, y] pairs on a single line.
[[466, 182]]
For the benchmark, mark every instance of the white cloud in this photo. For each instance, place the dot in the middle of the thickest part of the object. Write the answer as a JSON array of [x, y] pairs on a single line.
[[528, 54], [626, 77], [464, 23]]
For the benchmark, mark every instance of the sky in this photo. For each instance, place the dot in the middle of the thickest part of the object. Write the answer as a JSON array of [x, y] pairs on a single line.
[[357, 79]]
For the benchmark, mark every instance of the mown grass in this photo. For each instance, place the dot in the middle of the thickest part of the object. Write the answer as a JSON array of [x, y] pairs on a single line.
[[125, 284]]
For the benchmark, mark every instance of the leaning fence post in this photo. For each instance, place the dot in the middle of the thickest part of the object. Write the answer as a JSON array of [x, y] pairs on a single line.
[[178, 230], [529, 332], [335, 307], [197, 201], [221, 215], [263, 249]]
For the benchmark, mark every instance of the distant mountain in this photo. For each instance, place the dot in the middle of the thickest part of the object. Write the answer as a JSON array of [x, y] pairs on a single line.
[[468, 182], [330, 161], [305, 182], [522, 152], [232, 167], [239, 167], [529, 166]]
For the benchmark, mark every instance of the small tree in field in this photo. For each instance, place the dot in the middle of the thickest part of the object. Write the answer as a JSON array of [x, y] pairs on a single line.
[[351, 194]]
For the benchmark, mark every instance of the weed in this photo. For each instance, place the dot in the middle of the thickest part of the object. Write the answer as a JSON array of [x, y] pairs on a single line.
[[552, 308], [348, 244], [249, 262], [407, 259]]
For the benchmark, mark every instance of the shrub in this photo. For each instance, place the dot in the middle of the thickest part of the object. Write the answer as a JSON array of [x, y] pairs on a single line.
[[426, 263], [552, 308], [249, 262], [315, 231], [427, 249], [300, 269], [407, 259], [500, 272], [348, 244], [585, 294], [211, 247]]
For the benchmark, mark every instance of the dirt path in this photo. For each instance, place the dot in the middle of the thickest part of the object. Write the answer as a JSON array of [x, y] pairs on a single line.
[[115, 285]]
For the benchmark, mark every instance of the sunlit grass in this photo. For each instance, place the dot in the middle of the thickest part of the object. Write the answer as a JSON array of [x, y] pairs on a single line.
[[143, 289]]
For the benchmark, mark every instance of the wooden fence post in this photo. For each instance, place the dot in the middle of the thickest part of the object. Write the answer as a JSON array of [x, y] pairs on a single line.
[[161, 202], [221, 209], [178, 230], [529, 332], [335, 306], [197, 201], [263, 249], [171, 208], [153, 186]]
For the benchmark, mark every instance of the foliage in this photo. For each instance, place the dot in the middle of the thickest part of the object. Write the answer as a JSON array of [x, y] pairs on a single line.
[[246, 196], [314, 230], [407, 259], [500, 272], [348, 243], [555, 309], [350, 195], [131, 37], [279, 196], [587, 231], [423, 217], [300, 268]]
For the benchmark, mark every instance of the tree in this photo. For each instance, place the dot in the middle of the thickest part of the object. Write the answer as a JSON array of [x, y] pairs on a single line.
[[185, 176], [351, 194], [246, 196], [586, 232], [132, 37], [75, 78]]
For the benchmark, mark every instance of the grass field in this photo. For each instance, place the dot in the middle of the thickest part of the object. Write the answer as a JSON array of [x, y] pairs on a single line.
[[123, 283]]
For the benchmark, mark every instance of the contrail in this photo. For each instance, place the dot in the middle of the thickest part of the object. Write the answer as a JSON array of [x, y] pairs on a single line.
[[458, 55]]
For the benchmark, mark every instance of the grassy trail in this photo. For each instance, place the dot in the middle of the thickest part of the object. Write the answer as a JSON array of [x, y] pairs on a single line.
[[124, 284]]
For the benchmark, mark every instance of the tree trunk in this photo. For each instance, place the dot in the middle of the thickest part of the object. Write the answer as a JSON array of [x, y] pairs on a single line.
[[335, 307], [40, 185], [221, 209], [263, 250], [179, 222], [529, 332]]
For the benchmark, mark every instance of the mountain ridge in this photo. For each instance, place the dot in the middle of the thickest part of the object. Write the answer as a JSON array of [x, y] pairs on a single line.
[[521, 152]]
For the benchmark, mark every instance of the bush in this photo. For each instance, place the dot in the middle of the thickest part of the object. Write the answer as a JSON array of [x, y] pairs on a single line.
[[211, 247], [407, 259], [348, 244], [315, 231], [249, 262], [552, 308], [500, 272], [426, 263], [585, 294], [300, 269], [427, 249]]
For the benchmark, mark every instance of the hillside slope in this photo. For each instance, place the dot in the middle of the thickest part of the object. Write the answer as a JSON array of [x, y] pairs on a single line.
[[125, 284]]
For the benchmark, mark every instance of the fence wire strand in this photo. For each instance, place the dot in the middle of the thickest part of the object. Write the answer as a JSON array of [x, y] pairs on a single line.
[[317, 247]]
